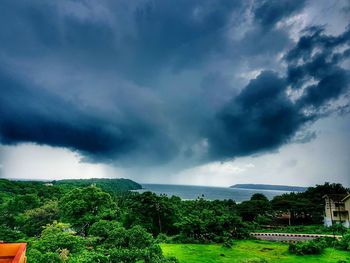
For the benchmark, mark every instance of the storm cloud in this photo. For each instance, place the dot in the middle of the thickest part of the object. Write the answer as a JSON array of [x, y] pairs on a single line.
[[152, 82], [265, 116], [39, 117]]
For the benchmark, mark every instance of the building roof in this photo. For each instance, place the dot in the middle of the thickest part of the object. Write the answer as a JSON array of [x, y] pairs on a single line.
[[337, 197], [346, 198]]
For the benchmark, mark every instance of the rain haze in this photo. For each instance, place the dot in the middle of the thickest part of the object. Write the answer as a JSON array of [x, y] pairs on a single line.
[[193, 92]]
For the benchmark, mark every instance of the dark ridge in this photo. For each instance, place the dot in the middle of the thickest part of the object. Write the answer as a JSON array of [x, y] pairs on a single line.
[[270, 187]]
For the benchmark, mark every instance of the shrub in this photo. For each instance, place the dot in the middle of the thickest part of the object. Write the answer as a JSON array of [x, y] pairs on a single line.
[[255, 260], [228, 243], [263, 220], [337, 228], [163, 238], [344, 243], [327, 241], [168, 260], [35, 256], [312, 247], [10, 235]]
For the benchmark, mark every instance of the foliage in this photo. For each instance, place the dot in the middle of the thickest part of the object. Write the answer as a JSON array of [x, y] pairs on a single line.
[[125, 245], [344, 243], [163, 238], [308, 206], [228, 243], [208, 227], [155, 213], [36, 188], [56, 243], [77, 221], [84, 206], [312, 247], [337, 228], [9, 235], [258, 205], [108, 185], [32, 221], [35, 256], [58, 236]]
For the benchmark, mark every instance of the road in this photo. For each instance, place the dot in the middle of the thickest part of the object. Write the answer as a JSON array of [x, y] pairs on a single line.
[[289, 237]]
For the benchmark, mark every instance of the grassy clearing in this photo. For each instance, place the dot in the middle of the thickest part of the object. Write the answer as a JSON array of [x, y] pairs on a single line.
[[246, 251]]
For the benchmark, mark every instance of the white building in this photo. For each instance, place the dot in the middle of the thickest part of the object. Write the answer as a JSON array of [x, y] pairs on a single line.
[[337, 210]]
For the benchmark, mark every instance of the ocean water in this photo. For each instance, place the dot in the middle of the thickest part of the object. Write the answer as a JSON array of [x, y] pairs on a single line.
[[189, 192]]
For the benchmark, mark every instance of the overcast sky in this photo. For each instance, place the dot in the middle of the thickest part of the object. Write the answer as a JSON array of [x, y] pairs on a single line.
[[213, 92]]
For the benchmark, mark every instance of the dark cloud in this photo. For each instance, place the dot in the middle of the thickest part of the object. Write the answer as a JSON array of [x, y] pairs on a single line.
[[147, 82], [268, 13], [184, 34], [264, 116], [29, 114], [261, 117], [136, 39], [317, 57], [331, 86]]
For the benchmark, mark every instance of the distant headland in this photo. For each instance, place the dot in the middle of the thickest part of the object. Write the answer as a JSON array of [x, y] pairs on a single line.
[[270, 187]]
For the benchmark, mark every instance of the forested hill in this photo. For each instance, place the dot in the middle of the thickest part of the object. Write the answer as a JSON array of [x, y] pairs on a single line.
[[270, 187], [108, 185], [36, 187]]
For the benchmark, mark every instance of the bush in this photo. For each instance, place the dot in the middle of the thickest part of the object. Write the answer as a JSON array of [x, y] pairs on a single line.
[[255, 260], [344, 243], [312, 247], [228, 242], [167, 260], [163, 238], [327, 241], [181, 238], [337, 228], [35, 256], [263, 220], [10, 235], [89, 257]]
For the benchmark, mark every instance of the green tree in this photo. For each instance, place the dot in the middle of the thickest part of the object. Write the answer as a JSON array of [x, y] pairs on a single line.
[[257, 205], [125, 245], [32, 221], [82, 207], [157, 214], [56, 244]]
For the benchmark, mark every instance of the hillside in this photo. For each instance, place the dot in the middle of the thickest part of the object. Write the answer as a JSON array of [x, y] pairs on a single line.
[[108, 185], [270, 187]]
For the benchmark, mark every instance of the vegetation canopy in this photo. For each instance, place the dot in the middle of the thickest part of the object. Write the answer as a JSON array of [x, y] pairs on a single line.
[[77, 221]]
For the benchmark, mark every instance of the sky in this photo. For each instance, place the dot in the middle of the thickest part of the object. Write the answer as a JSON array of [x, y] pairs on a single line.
[[207, 92]]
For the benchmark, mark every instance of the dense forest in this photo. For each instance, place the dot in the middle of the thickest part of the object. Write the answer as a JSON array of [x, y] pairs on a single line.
[[101, 221]]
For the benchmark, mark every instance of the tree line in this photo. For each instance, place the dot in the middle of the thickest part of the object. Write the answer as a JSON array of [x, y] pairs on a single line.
[[75, 222]]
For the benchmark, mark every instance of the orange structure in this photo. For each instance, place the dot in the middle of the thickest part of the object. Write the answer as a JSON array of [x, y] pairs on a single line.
[[13, 253]]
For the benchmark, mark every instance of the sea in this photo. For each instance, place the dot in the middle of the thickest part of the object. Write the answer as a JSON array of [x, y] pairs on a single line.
[[191, 192]]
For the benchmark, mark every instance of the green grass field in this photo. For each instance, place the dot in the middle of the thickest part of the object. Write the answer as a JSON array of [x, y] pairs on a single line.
[[247, 251]]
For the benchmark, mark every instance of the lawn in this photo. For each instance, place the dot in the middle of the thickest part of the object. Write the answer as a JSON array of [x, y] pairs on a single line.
[[247, 251]]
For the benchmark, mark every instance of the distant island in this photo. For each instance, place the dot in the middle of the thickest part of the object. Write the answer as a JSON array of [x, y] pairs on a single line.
[[270, 187]]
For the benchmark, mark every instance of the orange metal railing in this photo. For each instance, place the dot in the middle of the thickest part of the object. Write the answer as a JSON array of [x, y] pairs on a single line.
[[13, 253]]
